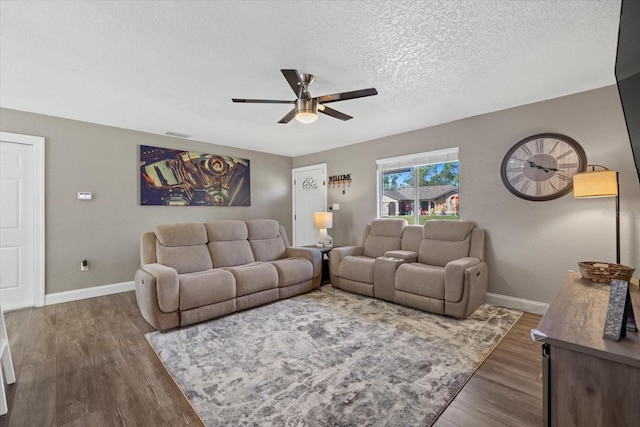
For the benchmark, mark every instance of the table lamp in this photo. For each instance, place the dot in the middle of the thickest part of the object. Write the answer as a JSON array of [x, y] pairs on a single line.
[[323, 220]]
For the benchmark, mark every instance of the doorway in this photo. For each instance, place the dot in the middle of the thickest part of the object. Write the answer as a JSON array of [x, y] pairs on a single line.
[[21, 221], [309, 196]]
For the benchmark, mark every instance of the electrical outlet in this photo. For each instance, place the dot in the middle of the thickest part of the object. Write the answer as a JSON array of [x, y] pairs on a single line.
[[84, 265]]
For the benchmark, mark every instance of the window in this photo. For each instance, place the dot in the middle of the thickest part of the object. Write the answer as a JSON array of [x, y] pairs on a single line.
[[419, 187]]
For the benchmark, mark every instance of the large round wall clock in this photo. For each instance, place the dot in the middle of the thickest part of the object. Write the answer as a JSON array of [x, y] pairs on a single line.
[[541, 167]]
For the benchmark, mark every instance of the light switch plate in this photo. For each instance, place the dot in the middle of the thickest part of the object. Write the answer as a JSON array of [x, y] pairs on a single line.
[[336, 207], [85, 195]]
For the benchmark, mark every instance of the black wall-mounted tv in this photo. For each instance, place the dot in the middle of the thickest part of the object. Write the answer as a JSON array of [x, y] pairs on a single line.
[[628, 72]]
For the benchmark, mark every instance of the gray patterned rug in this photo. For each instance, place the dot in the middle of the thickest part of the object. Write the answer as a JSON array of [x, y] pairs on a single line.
[[328, 358]]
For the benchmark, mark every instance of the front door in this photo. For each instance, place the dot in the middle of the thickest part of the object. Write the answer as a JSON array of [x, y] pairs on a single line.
[[309, 196], [19, 272]]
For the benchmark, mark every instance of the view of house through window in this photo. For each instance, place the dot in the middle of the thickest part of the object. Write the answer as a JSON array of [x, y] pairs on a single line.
[[420, 187]]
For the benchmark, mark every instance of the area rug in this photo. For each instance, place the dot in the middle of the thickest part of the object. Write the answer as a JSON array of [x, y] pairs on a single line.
[[328, 358]]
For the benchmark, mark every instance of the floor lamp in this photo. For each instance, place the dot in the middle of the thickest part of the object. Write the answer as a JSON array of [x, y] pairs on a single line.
[[601, 183]]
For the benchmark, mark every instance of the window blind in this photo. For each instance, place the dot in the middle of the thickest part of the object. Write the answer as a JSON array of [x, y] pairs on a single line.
[[428, 158]]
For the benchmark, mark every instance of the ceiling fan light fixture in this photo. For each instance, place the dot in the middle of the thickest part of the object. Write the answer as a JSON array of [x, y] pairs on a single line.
[[307, 107], [306, 117], [306, 110]]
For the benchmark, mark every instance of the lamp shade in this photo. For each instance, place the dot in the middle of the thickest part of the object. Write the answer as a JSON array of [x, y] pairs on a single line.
[[323, 219], [595, 184]]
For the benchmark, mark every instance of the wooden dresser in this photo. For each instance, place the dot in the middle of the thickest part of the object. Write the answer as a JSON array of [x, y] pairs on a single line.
[[588, 381]]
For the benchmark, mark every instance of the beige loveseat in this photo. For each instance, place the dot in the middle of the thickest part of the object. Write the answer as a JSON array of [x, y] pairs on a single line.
[[193, 272], [438, 267]]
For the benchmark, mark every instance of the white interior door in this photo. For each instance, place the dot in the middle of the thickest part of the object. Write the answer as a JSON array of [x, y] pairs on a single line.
[[21, 223], [309, 196]]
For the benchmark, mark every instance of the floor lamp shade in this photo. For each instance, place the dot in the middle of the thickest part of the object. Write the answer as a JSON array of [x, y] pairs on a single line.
[[600, 184], [595, 184]]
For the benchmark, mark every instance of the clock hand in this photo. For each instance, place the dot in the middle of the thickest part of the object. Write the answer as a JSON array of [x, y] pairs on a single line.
[[535, 165]]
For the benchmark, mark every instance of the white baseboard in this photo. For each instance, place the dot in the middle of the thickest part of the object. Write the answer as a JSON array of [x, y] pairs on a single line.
[[529, 306], [95, 291], [98, 291]]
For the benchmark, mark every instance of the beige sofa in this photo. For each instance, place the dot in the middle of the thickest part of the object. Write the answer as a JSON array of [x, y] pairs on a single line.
[[193, 272], [438, 267]]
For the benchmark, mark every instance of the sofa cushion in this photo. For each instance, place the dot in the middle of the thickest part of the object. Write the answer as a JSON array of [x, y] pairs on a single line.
[[444, 241], [187, 234], [357, 268], [262, 229], [421, 279], [183, 247], [206, 287], [185, 259], [385, 235], [226, 230], [264, 239], [292, 271], [254, 277], [231, 253], [228, 243]]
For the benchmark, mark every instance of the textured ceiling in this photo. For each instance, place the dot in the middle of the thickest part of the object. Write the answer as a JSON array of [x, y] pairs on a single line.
[[159, 66]]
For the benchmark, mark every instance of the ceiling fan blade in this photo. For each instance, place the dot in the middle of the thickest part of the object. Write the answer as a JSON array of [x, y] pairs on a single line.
[[295, 81], [263, 101], [333, 113], [290, 115], [347, 95]]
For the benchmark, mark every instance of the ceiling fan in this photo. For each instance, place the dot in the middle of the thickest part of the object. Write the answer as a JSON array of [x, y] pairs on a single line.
[[306, 108]]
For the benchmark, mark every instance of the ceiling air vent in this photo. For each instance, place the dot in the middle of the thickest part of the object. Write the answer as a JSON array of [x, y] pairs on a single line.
[[178, 135]]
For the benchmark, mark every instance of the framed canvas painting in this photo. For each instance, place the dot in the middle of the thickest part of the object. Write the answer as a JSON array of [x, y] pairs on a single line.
[[171, 177]]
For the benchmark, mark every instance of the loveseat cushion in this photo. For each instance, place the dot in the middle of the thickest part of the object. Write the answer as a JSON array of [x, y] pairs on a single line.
[[228, 243], [183, 247], [444, 241], [412, 237], [206, 287], [265, 240], [254, 277], [421, 279], [385, 235], [357, 268]]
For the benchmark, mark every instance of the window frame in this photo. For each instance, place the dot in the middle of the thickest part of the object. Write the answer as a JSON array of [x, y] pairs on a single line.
[[414, 161]]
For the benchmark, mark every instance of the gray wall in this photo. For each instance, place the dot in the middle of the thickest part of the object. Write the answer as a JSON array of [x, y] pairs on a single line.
[[83, 156], [531, 244]]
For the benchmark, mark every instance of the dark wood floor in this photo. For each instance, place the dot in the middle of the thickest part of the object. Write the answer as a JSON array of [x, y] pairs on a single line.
[[87, 363]]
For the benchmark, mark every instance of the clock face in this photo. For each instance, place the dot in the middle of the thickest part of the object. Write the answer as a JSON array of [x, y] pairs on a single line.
[[541, 167]]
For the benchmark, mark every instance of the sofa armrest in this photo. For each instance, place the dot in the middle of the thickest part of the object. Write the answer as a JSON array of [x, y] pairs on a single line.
[[406, 256], [167, 285], [336, 255], [454, 277], [384, 275], [313, 255]]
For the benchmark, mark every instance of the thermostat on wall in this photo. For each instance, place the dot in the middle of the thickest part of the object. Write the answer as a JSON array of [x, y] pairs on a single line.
[[85, 195]]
